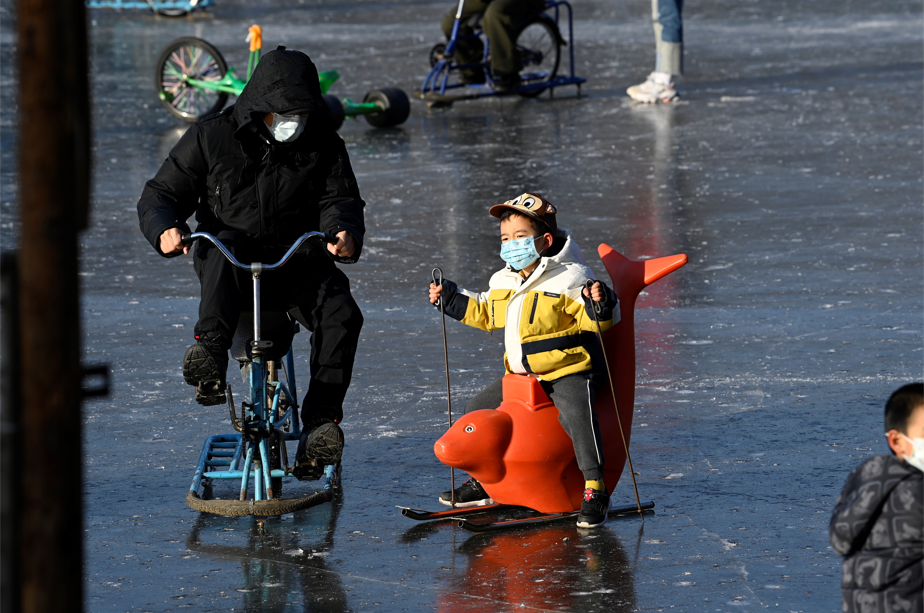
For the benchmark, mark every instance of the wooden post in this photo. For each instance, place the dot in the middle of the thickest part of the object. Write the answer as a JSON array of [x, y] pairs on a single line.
[[54, 162]]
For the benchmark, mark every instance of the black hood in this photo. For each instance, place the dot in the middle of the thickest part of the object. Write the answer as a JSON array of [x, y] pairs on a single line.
[[283, 82]]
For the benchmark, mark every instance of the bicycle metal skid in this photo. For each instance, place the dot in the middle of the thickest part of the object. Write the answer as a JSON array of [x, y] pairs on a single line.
[[246, 455], [437, 83]]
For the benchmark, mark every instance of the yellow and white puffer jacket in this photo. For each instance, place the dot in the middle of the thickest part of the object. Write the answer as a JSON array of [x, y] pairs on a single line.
[[549, 327]]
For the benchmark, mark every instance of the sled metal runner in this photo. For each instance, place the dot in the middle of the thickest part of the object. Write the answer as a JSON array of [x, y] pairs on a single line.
[[422, 515], [489, 526], [484, 525]]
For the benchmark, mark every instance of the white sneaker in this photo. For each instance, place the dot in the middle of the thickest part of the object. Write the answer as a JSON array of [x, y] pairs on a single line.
[[658, 88]]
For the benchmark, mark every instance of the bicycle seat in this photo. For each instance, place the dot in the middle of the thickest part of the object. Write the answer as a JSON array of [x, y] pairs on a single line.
[[275, 326]]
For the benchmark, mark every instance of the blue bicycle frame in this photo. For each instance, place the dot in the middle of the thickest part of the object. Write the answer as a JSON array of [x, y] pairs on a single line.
[[232, 456], [437, 81]]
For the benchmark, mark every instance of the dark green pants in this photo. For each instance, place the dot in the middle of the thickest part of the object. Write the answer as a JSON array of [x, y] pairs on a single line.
[[502, 19]]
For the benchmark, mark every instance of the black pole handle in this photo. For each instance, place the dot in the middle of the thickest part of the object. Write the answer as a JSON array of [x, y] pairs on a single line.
[[437, 276], [598, 307]]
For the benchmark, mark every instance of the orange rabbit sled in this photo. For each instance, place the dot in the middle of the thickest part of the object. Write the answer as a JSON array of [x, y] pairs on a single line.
[[519, 452]]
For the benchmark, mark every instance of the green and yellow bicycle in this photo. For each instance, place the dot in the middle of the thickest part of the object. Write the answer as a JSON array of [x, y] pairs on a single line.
[[193, 80]]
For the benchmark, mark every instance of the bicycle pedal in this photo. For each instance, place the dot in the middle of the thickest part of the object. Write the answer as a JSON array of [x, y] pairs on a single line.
[[210, 393], [309, 470]]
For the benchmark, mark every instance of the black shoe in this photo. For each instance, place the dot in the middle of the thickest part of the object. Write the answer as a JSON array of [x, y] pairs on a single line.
[[469, 494], [594, 508], [205, 366], [506, 83], [472, 76], [318, 447]]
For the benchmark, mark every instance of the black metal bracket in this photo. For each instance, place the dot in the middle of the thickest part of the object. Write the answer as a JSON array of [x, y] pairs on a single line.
[[95, 381]]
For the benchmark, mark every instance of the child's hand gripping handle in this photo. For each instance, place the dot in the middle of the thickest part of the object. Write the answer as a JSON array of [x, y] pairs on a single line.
[[597, 304], [437, 287]]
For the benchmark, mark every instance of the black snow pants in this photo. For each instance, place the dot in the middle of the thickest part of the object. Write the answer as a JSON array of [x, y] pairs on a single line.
[[313, 291]]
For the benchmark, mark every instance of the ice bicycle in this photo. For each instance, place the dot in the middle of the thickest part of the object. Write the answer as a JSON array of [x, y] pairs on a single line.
[[193, 80], [538, 46], [256, 454]]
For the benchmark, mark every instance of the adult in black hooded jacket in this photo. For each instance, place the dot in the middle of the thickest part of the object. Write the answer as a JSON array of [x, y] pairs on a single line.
[[258, 195]]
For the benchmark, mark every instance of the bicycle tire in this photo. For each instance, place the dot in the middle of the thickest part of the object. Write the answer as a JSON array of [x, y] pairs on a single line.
[[184, 58], [259, 508], [539, 45]]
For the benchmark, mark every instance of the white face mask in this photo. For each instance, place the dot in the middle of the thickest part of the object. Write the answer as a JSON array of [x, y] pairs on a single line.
[[287, 128], [916, 458]]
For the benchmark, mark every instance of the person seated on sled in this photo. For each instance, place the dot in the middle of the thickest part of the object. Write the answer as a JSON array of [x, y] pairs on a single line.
[[541, 300], [499, 22], [878, 520], [258, 175]]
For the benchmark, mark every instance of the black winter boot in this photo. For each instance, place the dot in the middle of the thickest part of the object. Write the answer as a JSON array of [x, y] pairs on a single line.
[[205, 365], [320, 444]]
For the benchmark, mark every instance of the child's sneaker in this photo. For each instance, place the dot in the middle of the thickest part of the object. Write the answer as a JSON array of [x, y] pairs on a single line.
[[594, 508], [658, 88], [469, 494]]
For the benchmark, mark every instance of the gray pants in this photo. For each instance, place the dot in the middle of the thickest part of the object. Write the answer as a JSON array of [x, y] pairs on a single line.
[[574, 397]]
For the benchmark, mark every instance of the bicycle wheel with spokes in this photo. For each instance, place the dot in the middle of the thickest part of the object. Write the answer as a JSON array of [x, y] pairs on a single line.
[[185, 60], [539, 49]]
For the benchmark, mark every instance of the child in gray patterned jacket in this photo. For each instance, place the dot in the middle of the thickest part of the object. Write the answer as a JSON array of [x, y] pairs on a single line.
[[878, 521]]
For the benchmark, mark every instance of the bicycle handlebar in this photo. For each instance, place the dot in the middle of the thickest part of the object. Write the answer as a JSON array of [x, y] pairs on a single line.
[[257, 266]]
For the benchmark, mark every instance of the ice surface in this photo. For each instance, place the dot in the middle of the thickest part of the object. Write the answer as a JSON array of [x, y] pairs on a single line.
[[789, 172]]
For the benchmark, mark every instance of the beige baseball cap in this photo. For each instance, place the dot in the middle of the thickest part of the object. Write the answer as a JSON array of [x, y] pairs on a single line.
[[531, 205]]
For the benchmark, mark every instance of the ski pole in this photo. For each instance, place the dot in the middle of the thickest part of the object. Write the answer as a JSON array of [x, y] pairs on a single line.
[[597, 310], [441, 303]]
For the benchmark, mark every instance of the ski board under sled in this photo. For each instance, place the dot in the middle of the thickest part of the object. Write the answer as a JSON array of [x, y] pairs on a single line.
[[422, 515], [479, 526]]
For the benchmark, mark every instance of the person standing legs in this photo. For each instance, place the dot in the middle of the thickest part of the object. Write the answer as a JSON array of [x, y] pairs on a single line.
[[668, 29]]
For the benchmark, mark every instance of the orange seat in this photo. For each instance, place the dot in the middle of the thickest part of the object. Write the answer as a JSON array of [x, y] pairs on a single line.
[[519, 452]]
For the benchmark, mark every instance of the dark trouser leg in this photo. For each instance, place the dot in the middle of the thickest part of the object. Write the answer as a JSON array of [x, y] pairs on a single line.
[[468, 50], [324, 305], [574, 397], [490, 397], [501, 21], [221, 286]]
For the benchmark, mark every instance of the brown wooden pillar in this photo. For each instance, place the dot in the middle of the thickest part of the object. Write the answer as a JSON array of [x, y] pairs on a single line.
[[54, 162]]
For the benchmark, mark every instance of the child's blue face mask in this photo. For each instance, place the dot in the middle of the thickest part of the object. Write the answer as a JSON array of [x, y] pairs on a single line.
[[520, 252]]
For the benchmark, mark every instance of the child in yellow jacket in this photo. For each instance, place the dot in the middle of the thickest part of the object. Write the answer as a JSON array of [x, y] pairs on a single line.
[[541, 301]]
